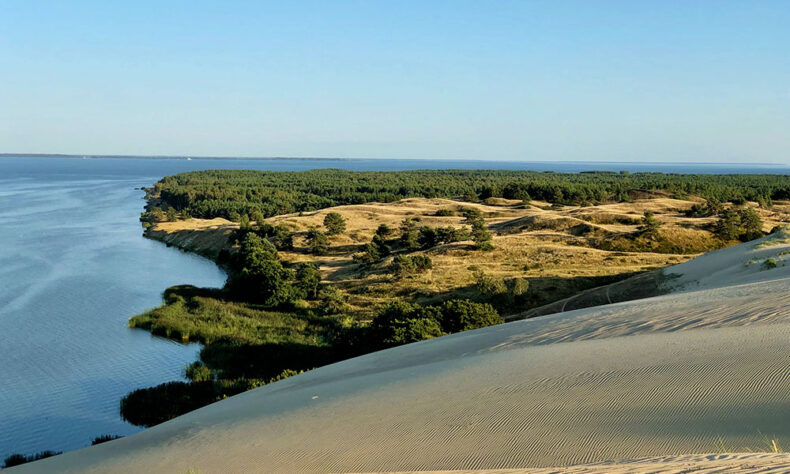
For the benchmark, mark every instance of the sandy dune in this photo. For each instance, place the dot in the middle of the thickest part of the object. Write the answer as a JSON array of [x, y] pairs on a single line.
[[705, 369]]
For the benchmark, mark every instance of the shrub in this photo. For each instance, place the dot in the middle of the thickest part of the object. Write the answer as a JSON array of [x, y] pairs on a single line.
[[383, 231], [471, 214], [104, 438], [751, 225], [744, 225], [649, 225], [444, 213], [332, 301], [400, 322], [489, 286], [481, 235], [470, 196], [317, 242], [410, 234], [258, 273], [450, 234], [403, 265], [172, 214], [198, 372], [374, 251], [280, 235], [426, 237], [17, 459], [334, 223], [151, 406], [769, 264], [728, 227], [308, 281], [462, 315]]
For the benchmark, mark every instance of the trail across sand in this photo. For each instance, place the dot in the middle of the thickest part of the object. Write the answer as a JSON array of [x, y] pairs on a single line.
[[693, 372]]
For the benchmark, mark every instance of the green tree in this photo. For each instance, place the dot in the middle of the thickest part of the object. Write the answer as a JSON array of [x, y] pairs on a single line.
[[462, 315], [410, 234], [403, 265], [649, 225], [426, 237], [317, 242], [489, 286], [258, 273], [332, 301], [481, 235], [751, 225], [171, 214], [383, 231], [334, 223], [400, 322], [470, 196], [308, 280], [728, 227], [257, 216]]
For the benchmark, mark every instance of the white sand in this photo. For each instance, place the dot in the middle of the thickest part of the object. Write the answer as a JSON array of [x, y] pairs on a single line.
[[703, 370]]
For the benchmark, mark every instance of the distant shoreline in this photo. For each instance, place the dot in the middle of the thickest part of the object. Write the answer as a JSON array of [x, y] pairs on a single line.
[[297, 158]]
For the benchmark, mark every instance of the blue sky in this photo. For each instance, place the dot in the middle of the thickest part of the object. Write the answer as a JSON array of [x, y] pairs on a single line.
[[524, 80]]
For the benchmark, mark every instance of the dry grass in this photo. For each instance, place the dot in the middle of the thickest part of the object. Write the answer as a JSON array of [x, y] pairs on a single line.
[[555, 249]]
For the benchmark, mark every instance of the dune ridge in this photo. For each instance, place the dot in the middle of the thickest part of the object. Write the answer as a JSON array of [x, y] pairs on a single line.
[[704, 369]]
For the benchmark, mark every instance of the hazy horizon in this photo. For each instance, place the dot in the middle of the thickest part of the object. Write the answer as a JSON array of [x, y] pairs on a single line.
[[605, 81], [382, 158]]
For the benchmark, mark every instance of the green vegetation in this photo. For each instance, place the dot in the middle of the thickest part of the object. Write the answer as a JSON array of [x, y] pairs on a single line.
[[270, 322], [769, 263], [404, 265], [402, 323], [649, 225], [744, 225], [17, 459], [221, 193], [104, 438], [334, 223], [274, 319]]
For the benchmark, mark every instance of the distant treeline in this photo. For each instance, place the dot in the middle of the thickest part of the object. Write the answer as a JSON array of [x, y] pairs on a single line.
[[231, 193]]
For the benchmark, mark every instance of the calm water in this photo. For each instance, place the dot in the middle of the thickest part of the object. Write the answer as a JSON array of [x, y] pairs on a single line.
[[74, 268]]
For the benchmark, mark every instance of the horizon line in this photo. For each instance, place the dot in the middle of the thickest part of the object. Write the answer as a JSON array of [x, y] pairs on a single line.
[[338, 158]]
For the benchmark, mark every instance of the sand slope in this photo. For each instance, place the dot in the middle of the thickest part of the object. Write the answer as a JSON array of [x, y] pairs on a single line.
[[706, 369]]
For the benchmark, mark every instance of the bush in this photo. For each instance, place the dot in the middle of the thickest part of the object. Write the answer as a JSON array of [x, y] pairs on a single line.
[[258, 274], [741, 225], [462, 315], [403, 265], [399, 323], [649, 225], [317, 242], [383, 231], [334, 223], [489, 286], [332, 301], [104, 438], [308, 281], [769, 264], [374, 251], [481, 235], [410, 234], [17, 459], [151, 406], [198, 372], [751, 225], [444, 213], [279, 235], [426, 237]]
